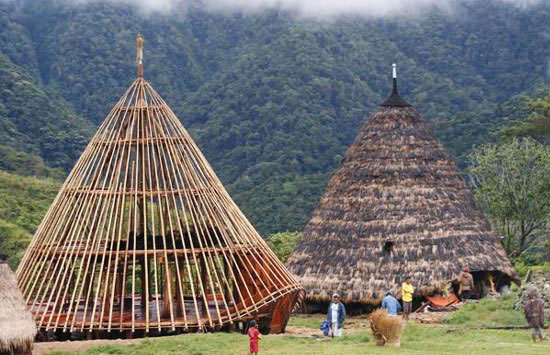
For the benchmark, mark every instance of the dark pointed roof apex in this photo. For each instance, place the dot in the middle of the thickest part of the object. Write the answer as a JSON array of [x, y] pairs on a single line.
[[395, 99]]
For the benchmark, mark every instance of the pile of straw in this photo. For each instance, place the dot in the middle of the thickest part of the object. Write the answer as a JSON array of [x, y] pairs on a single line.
[[386, 330], [17, 328]]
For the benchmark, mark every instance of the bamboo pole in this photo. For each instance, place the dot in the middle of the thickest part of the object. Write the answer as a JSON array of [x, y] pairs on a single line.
[[140, 174]]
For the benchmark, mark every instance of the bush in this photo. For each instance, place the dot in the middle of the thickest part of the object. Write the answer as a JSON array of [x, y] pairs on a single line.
[[532, 259], [13, 241], [522, 268], [283, 244]]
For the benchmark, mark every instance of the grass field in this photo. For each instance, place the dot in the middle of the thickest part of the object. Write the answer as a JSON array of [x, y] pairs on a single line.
[[417, 340], [456, 336]]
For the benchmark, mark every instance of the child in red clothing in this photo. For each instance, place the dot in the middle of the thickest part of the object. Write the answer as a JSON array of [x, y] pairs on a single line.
[[255, 336]]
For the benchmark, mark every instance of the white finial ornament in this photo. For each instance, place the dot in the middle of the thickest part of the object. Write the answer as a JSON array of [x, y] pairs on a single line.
[[394, 71], [139, 47]]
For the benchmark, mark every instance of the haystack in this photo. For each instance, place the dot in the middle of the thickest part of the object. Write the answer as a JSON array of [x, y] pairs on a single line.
[[386, 330], [17, 328], [144, 238], [396, 206]]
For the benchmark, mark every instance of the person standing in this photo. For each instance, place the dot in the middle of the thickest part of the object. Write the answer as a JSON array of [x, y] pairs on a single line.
[[391, 304], [255, 336], [534, 313], [407, 291], [336, 315], [466, 281]]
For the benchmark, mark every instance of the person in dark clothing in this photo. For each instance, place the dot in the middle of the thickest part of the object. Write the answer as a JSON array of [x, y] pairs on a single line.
[[534, 313]]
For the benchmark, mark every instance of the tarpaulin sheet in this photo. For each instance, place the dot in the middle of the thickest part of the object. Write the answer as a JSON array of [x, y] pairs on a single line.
[[440, 301]]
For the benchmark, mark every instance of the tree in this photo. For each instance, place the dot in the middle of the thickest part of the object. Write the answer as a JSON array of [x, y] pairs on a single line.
[[282, 244], [512, 184], [13, 241], [537, 123]]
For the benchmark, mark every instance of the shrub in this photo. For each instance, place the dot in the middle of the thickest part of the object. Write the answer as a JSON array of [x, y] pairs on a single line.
[[282, 244]]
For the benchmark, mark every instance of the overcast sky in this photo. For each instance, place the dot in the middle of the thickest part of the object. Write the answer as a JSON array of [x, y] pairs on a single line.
[[310, 8]]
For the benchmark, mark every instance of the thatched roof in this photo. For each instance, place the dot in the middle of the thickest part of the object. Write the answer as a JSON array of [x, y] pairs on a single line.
[[17, 328], [397, 184]]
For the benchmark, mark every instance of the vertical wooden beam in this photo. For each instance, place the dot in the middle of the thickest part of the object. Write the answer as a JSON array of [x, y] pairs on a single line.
[[167, 281], [144, 283]]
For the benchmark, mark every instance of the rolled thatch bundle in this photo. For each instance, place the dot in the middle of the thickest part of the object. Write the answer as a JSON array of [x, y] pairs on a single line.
[[386, 330], [396, 206], [17, 328]]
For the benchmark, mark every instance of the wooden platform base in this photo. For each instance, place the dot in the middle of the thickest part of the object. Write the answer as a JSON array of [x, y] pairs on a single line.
[[129, 321]]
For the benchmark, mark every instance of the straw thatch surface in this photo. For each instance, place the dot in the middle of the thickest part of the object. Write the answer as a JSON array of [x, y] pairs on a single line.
[[386, 330], [17, 328], [396, 184]]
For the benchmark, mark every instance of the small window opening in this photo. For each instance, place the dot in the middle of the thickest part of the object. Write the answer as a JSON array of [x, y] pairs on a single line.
[[389, 246]]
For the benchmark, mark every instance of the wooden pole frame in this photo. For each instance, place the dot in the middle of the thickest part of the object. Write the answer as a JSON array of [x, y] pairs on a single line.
[[142, 174]]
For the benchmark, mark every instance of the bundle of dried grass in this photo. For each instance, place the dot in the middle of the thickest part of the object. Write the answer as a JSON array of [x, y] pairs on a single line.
[[386, 330], [17, 328]]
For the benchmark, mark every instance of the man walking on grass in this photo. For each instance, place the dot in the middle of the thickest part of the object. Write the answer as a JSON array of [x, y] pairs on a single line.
[[534, 312], [336, 316]]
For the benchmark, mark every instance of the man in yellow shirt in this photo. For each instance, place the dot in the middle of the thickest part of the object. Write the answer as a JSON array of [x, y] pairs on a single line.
[[407, 291]]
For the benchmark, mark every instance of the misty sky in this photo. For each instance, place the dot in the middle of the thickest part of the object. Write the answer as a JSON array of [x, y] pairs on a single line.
[[309, 8]]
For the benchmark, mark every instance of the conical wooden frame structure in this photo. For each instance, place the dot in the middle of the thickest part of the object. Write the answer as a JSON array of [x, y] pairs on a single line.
[[143, 236], [396, 206]]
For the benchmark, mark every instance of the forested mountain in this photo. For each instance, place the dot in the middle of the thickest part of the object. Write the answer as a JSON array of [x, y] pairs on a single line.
[[272, 99]]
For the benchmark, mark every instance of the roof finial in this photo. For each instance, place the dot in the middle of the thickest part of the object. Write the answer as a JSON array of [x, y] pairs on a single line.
[[139, 56], [395, 100], [394, 75]]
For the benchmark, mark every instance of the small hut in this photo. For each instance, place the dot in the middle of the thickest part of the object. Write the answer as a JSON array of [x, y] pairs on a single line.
[[17, 328], [396, 206], [144, 239]]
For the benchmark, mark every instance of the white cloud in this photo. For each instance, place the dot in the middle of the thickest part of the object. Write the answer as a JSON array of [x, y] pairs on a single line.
[[337, 8], [330, 8], [306, 8]]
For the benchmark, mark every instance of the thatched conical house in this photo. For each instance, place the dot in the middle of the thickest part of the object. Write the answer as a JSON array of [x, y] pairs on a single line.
[[396, 206], [17, 328], [143, 237]]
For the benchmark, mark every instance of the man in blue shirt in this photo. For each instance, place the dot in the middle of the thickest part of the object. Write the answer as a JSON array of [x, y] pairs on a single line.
[[391, 304]]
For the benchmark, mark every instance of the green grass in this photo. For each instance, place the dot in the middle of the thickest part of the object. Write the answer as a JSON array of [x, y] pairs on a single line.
[[417, 340], [457, 336], [522, 268], [307, 321], [488, 313]]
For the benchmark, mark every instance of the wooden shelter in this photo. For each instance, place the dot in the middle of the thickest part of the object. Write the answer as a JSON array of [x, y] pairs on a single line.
[[143, 237], [17, 328], [396, 206]]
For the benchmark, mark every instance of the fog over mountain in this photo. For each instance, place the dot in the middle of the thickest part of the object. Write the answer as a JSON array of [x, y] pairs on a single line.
[[317, 9]]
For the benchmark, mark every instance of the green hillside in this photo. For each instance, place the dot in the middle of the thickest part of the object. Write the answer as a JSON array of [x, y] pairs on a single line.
[[272, 100], [23, 203]]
